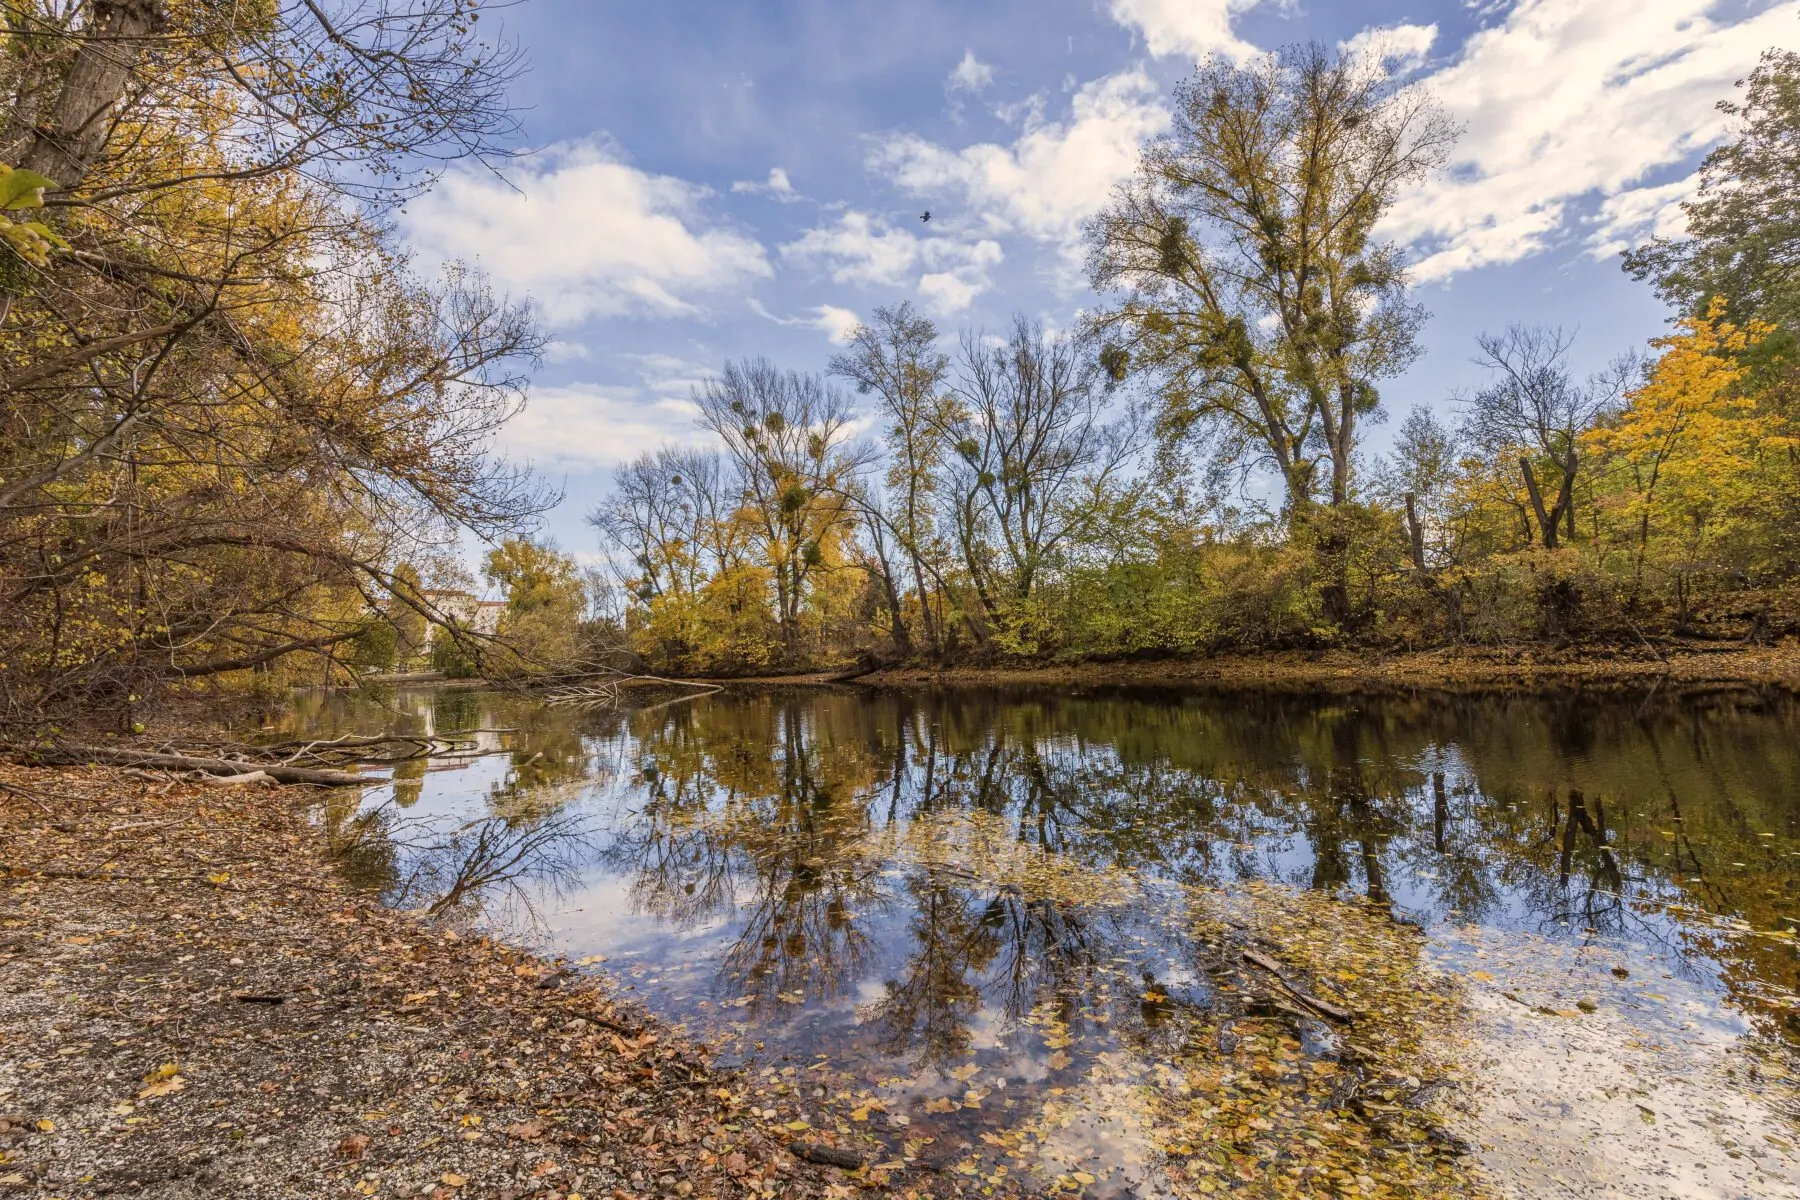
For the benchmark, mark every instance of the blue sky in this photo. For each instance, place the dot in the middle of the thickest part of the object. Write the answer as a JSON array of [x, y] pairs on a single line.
[[711, 181]]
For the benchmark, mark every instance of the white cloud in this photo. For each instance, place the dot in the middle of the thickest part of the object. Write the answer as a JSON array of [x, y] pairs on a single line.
[[969, 75], [863, 249], [1565, 99], [1400, 48], [1053, 177], [834, 322], [1194, 28], [1630, 218], [778, 186], [558, 351], [588, 427], [586, 235]]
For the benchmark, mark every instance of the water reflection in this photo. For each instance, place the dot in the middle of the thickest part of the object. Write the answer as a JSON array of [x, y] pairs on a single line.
[[920, 886]]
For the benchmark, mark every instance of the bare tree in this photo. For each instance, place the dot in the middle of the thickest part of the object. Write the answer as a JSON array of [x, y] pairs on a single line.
[[1032, 435], [1534, 409], [896, 358]]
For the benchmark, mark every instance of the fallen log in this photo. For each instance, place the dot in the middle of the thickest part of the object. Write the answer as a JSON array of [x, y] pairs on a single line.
[[1324, 1008], [122, 756]]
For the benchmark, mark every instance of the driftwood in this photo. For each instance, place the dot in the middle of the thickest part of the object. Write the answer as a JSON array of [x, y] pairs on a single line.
[[1324, 1008], [122, 756]]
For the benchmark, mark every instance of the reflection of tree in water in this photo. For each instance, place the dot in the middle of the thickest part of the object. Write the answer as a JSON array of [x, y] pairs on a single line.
[[773, 808]]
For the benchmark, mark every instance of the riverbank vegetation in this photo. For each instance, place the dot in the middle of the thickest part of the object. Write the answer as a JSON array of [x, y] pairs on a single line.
[[230, 409], [1188, 470], [243, 438]]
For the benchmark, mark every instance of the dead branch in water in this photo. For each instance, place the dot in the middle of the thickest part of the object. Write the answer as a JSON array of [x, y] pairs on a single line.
[[124, 756]]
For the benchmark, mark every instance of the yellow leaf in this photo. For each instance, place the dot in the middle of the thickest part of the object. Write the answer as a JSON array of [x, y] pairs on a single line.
[[797, 1126], [1082, 1177], [46, 1126], [859, 1114], [223, 877], [965, 1073], [1483, 976], [452, 1179], [166, 1071]]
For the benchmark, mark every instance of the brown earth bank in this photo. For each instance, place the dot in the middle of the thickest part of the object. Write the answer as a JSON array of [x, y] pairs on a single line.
[[194, 1005], [1533, 668]]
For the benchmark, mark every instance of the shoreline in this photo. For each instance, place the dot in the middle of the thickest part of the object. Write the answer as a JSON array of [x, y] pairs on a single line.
[[1342, 671], [198, 1004]]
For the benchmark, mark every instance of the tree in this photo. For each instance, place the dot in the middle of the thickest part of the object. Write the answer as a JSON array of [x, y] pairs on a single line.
[[897, 360], [1743, 225], [228, 409], [1534, 410], [1420, 476], [785, 434], [1254, 292], [407, 606], [1032, 440], [1689, 444], [546, 601]]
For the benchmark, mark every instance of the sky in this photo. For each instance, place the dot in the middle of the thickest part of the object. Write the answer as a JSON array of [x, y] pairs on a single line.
[[711, 181]]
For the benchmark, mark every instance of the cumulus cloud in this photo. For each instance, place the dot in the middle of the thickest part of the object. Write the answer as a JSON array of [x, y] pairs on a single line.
[[776, 186], [1563, 99], [586, 235], [859, 248], [969, 75], [1400, 48], [1048, 181], [1192, 28]]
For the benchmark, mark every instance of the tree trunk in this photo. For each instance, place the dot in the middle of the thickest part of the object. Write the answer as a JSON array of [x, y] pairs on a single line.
[[1415, 532], [1567, 501], [75, 133], [1546, 525]]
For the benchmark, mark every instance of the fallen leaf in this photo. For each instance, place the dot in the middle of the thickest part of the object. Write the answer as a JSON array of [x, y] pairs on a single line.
[[353, 1145], [452, 1179]]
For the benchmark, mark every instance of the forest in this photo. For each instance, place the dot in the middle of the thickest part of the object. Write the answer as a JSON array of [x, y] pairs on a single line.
[[245, 439]]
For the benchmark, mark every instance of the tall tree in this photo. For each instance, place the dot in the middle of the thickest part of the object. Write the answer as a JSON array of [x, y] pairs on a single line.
[[1253, 290], [896, 358], [785, 434], [1032, 434], [1743, 226]]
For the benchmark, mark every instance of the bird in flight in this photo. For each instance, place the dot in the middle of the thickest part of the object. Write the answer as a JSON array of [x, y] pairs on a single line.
[[926, 215]]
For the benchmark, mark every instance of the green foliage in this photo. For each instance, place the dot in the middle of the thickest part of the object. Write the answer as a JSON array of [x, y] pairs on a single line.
[[545, 601], [373, 647], [452, 657]]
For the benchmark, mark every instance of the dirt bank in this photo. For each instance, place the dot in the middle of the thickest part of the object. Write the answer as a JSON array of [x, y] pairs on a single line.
[[195, 1006], [1525, 669]]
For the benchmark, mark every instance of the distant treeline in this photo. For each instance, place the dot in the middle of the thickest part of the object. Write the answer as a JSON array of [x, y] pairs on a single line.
[[1186, 470]]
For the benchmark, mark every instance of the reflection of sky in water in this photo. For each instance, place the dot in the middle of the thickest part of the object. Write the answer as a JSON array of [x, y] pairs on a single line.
[[781, 832]]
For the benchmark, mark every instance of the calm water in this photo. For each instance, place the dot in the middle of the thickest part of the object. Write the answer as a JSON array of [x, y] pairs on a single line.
[[963, 922]]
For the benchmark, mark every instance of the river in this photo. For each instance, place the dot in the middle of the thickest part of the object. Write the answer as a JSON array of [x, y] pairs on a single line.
[[998, 937]]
